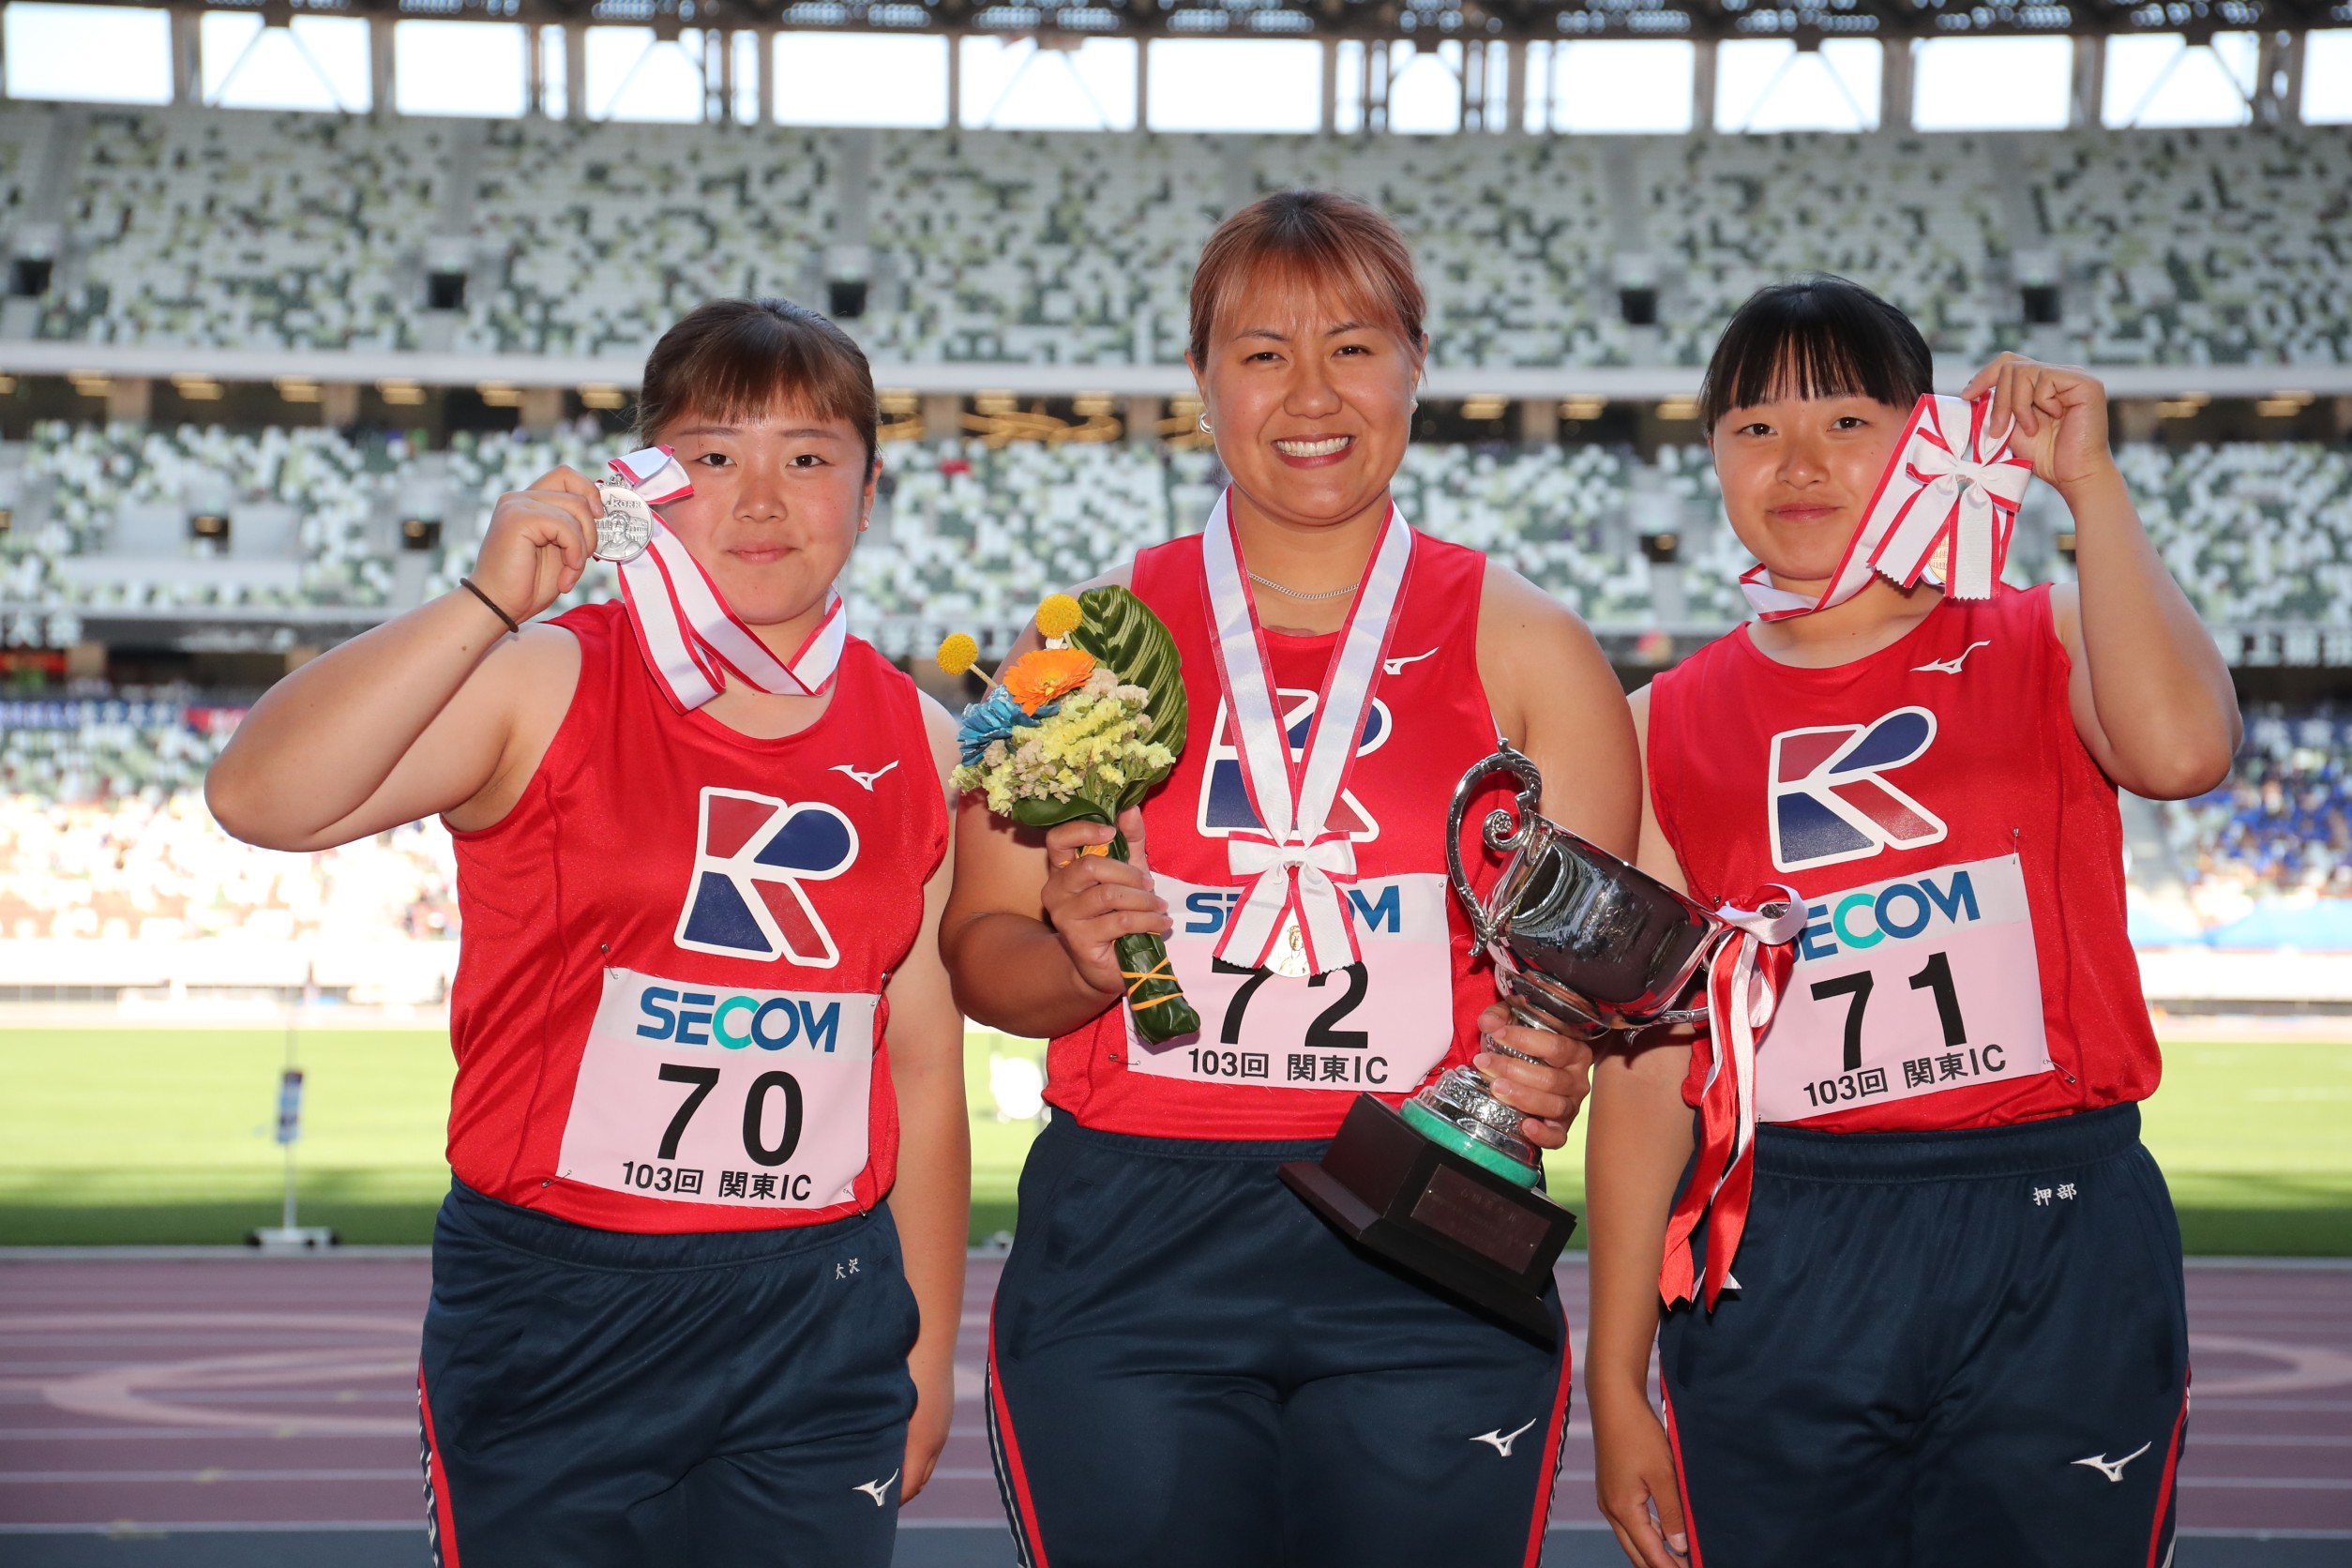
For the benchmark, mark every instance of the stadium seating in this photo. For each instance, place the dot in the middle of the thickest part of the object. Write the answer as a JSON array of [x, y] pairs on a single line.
[[972, 535], [240, 229]]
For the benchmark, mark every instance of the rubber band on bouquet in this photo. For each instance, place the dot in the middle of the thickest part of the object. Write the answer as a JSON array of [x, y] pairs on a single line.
[[1745, 983]]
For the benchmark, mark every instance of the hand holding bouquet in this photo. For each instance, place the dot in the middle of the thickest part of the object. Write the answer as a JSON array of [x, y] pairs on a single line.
[[1080, 731]]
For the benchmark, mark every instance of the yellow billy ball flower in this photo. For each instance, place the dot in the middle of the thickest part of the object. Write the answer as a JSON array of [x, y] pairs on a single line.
[[1059, 615], [958, 653]]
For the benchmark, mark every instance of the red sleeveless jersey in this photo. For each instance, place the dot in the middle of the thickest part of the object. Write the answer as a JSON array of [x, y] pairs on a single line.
[[1279, 1057], [1964, 961], [668, 1016]]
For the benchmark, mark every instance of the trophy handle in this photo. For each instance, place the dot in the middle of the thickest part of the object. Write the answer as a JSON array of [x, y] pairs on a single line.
[[1499, 831]]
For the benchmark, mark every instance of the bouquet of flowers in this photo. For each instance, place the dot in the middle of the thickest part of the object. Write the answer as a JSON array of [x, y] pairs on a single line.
[[1080, 731]]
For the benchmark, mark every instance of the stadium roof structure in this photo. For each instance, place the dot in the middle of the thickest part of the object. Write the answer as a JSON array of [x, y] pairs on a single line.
[[1426, 22]]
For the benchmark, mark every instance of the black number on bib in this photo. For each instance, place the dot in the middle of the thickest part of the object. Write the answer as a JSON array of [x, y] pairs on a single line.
[[754, 1108], [1320, 1035], [1938, 976], [1229, 1032], [1858, 987], [705, 1080]]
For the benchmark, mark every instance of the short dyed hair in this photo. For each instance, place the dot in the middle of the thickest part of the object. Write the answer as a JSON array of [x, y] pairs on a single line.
[[734, 358], [1327, 241], [1819, 336]]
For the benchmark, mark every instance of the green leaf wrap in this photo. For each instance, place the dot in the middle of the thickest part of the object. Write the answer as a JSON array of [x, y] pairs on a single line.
[[1124, 635], [1120, 631]]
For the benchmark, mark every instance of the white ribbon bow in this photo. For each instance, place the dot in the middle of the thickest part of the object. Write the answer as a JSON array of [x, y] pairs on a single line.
[[1961, 494], [1304, 888]]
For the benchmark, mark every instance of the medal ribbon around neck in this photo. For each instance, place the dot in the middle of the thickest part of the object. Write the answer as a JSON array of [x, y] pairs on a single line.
[[1745, 983], [1296, 864], [1949, 485], [690, 637]]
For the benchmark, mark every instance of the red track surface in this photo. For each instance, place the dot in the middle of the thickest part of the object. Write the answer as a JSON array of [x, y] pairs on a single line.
[[229, 1391]]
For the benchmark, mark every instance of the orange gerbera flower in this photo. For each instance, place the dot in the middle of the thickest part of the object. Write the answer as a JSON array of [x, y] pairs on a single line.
[[1039, 678]]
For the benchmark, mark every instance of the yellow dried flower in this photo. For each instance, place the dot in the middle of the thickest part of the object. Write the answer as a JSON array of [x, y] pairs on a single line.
[[1059, 615], [959, 652]]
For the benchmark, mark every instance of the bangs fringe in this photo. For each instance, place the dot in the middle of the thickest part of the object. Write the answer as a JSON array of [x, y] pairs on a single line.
[[1818, 336], [1335, 247], [733, 359]]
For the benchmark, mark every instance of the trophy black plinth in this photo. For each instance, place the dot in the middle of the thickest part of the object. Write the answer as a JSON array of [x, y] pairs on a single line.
[[1425, 1208]]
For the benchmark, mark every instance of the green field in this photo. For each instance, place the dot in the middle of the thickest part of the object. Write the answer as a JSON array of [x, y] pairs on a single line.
[[162, 1135]]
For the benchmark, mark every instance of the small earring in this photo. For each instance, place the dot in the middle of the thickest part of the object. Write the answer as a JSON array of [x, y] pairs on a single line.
[[1203, 423]]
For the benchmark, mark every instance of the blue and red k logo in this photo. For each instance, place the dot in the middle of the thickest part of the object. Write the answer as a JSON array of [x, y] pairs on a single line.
[[752, 853], [1828, 802]]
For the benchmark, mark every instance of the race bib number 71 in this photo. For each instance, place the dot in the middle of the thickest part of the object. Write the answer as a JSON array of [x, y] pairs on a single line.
[[1906, 988], [718, 1095]]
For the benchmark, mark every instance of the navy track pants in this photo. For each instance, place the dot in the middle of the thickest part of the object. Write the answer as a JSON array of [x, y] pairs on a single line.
[[1188, 1369], [591, 1397], [1948, 1351]]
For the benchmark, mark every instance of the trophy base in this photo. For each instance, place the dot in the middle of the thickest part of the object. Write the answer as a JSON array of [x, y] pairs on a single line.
[[1487, 1238], [1436, 1128]]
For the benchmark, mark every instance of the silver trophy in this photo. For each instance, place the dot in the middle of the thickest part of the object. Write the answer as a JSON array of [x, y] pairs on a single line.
[[1583, 943], [1447, 1186]]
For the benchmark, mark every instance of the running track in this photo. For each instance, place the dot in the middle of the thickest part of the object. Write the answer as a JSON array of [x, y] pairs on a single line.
[[186, 1409]]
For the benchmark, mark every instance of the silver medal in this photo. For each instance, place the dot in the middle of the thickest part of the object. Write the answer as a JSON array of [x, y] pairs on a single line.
[[627, 526]]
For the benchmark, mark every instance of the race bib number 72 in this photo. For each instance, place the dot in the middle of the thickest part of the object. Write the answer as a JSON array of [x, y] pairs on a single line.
[[1906, 988], [718, 1095], [1380, 1024]]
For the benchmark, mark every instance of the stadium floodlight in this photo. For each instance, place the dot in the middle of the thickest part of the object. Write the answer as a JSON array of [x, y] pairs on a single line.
[[602, 395], [197, 387], [2282, 405], [401, 394], [500, 394], [1582, 406], [1678, 408], [299, 389]]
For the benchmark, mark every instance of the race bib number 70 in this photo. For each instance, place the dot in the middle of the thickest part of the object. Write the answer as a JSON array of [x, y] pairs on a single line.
[[718, 1095], [1906, 988]]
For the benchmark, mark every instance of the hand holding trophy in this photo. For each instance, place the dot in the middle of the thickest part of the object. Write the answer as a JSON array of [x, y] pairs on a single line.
[[1582, 943], [1080, 731]]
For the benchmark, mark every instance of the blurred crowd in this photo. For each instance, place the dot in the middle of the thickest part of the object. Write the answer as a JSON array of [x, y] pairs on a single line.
[[2280, 826], [104, 834]]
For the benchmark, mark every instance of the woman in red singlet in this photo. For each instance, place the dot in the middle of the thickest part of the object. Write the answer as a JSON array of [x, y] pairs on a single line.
[[702, 1029], [1188, 1366], [1946, 1327]]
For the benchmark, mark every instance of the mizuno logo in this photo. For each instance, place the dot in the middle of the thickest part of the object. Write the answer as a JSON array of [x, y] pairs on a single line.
[[876, 1488], [1396, 666], [864, 780], [2112, 1468], [1951, 666], [1503, 1439], [752, 855], [1828, 800]]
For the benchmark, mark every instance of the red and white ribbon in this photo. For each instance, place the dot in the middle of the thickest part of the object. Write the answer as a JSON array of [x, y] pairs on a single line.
[[690, 637], [1745, 982], [1297, 865], [1950, 485]]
